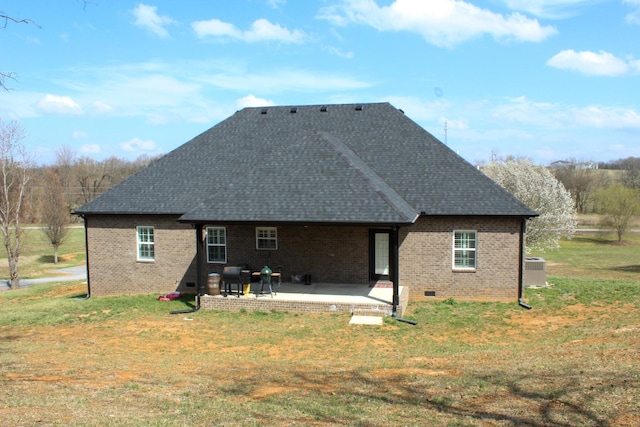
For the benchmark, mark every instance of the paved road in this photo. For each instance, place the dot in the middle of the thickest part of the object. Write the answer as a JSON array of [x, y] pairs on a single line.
[[65, 275]]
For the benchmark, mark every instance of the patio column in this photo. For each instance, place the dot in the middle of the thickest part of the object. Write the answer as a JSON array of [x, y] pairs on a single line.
[[394, 262]]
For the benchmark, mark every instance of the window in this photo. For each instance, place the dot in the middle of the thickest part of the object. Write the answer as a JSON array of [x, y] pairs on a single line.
[[267, 238], [216, 245], [146, 250], [464, 250]]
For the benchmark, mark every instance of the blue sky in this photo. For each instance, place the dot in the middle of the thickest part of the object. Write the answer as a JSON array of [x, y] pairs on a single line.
[[547, 80]]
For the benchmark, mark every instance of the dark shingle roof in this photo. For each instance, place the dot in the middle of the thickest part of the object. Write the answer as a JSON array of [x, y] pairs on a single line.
[[346, 164]]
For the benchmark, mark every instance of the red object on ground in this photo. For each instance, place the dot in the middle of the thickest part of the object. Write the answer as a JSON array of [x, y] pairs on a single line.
[[169, 297]]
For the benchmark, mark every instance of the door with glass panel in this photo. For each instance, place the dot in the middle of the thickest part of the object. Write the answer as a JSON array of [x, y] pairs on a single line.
[[379, 254]]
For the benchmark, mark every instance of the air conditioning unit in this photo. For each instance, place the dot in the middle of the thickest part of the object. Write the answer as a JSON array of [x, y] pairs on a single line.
[[535, 272]]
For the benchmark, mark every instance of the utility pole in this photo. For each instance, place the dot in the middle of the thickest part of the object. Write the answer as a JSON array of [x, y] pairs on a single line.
[[445, 133]]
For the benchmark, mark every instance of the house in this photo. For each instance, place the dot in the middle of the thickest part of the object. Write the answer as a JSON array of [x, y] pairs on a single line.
[[350, 193]]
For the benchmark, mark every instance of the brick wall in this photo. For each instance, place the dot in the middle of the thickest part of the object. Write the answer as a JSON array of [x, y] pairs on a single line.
[[426, 258], [331, 254], [112, 249]]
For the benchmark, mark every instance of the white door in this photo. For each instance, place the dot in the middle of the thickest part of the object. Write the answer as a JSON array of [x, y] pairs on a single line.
[[382, 254]]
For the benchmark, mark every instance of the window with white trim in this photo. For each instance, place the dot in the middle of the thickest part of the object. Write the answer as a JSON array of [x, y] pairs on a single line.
[[216, 245], [464, 249], [267, 238], [146, 249]]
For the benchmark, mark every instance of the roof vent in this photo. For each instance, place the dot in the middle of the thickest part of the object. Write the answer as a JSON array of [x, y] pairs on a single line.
[[401, 110], [359, 107], [263, 111], [323, 108], [294, 110]]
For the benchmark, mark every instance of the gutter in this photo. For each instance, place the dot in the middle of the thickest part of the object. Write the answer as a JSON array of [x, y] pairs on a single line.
[[86, 255], [521, 303]]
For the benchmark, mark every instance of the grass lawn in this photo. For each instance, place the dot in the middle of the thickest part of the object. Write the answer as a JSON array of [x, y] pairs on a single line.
[[573, 360], [36, 259]]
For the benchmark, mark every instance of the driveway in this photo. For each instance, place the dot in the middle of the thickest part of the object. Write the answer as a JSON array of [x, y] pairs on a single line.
[[62, 275]]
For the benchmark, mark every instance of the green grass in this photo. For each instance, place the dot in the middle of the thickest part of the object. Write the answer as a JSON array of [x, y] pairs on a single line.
[[36, 259], [596, 255], [125, 361]]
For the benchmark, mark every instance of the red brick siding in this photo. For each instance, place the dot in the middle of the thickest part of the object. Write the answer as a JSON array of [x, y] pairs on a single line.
[[112, 249], [331, 254], [426, 258]]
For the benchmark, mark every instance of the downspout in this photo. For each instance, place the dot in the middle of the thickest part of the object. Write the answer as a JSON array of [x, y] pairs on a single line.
[[521, 303], [199, 285], [199, 268], [86, 256], [395, 276]]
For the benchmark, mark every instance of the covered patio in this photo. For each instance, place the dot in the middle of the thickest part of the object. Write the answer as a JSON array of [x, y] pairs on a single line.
[[373, 299]]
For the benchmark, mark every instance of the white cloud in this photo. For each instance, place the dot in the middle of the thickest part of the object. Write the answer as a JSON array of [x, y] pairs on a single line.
[[101, 107], [79, 134], [285, 80], [418, 109], [53, 104], [443, 23], [139, 145], [197, 91], [276, 3], [607, 117], [261, 30], [552, 9], [633, 17], [591, 63], [90, 149], [550, 115], [338, 52], [146, 17], [253, 101]]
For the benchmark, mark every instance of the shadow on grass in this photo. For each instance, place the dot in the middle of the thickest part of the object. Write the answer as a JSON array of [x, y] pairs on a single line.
[[627, 268], [80, 296], [45, 259], [597, 239], [514, 398], [188, 301]]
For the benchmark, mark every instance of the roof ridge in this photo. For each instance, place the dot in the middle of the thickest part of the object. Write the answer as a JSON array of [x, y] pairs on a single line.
[[379, 185]]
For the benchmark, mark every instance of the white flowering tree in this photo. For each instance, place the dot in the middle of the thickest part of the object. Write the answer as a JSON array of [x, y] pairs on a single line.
[[536, 187]]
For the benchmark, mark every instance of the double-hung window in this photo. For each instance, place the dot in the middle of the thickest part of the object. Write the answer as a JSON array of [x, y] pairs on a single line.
[[464, 250], [216, 245], [146, 250], [267, 238]]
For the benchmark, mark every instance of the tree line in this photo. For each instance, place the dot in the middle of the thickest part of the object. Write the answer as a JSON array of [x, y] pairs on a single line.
[[48, 195], [611, 190]]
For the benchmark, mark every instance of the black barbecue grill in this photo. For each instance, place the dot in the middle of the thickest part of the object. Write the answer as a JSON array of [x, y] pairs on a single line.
[[235, 275]]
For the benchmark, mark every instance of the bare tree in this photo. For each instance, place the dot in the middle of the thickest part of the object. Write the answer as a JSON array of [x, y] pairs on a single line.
[[4, 76], [580, 181], [65, 170], [15, 167], [55, 212], [93, 177], [630, 172]]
